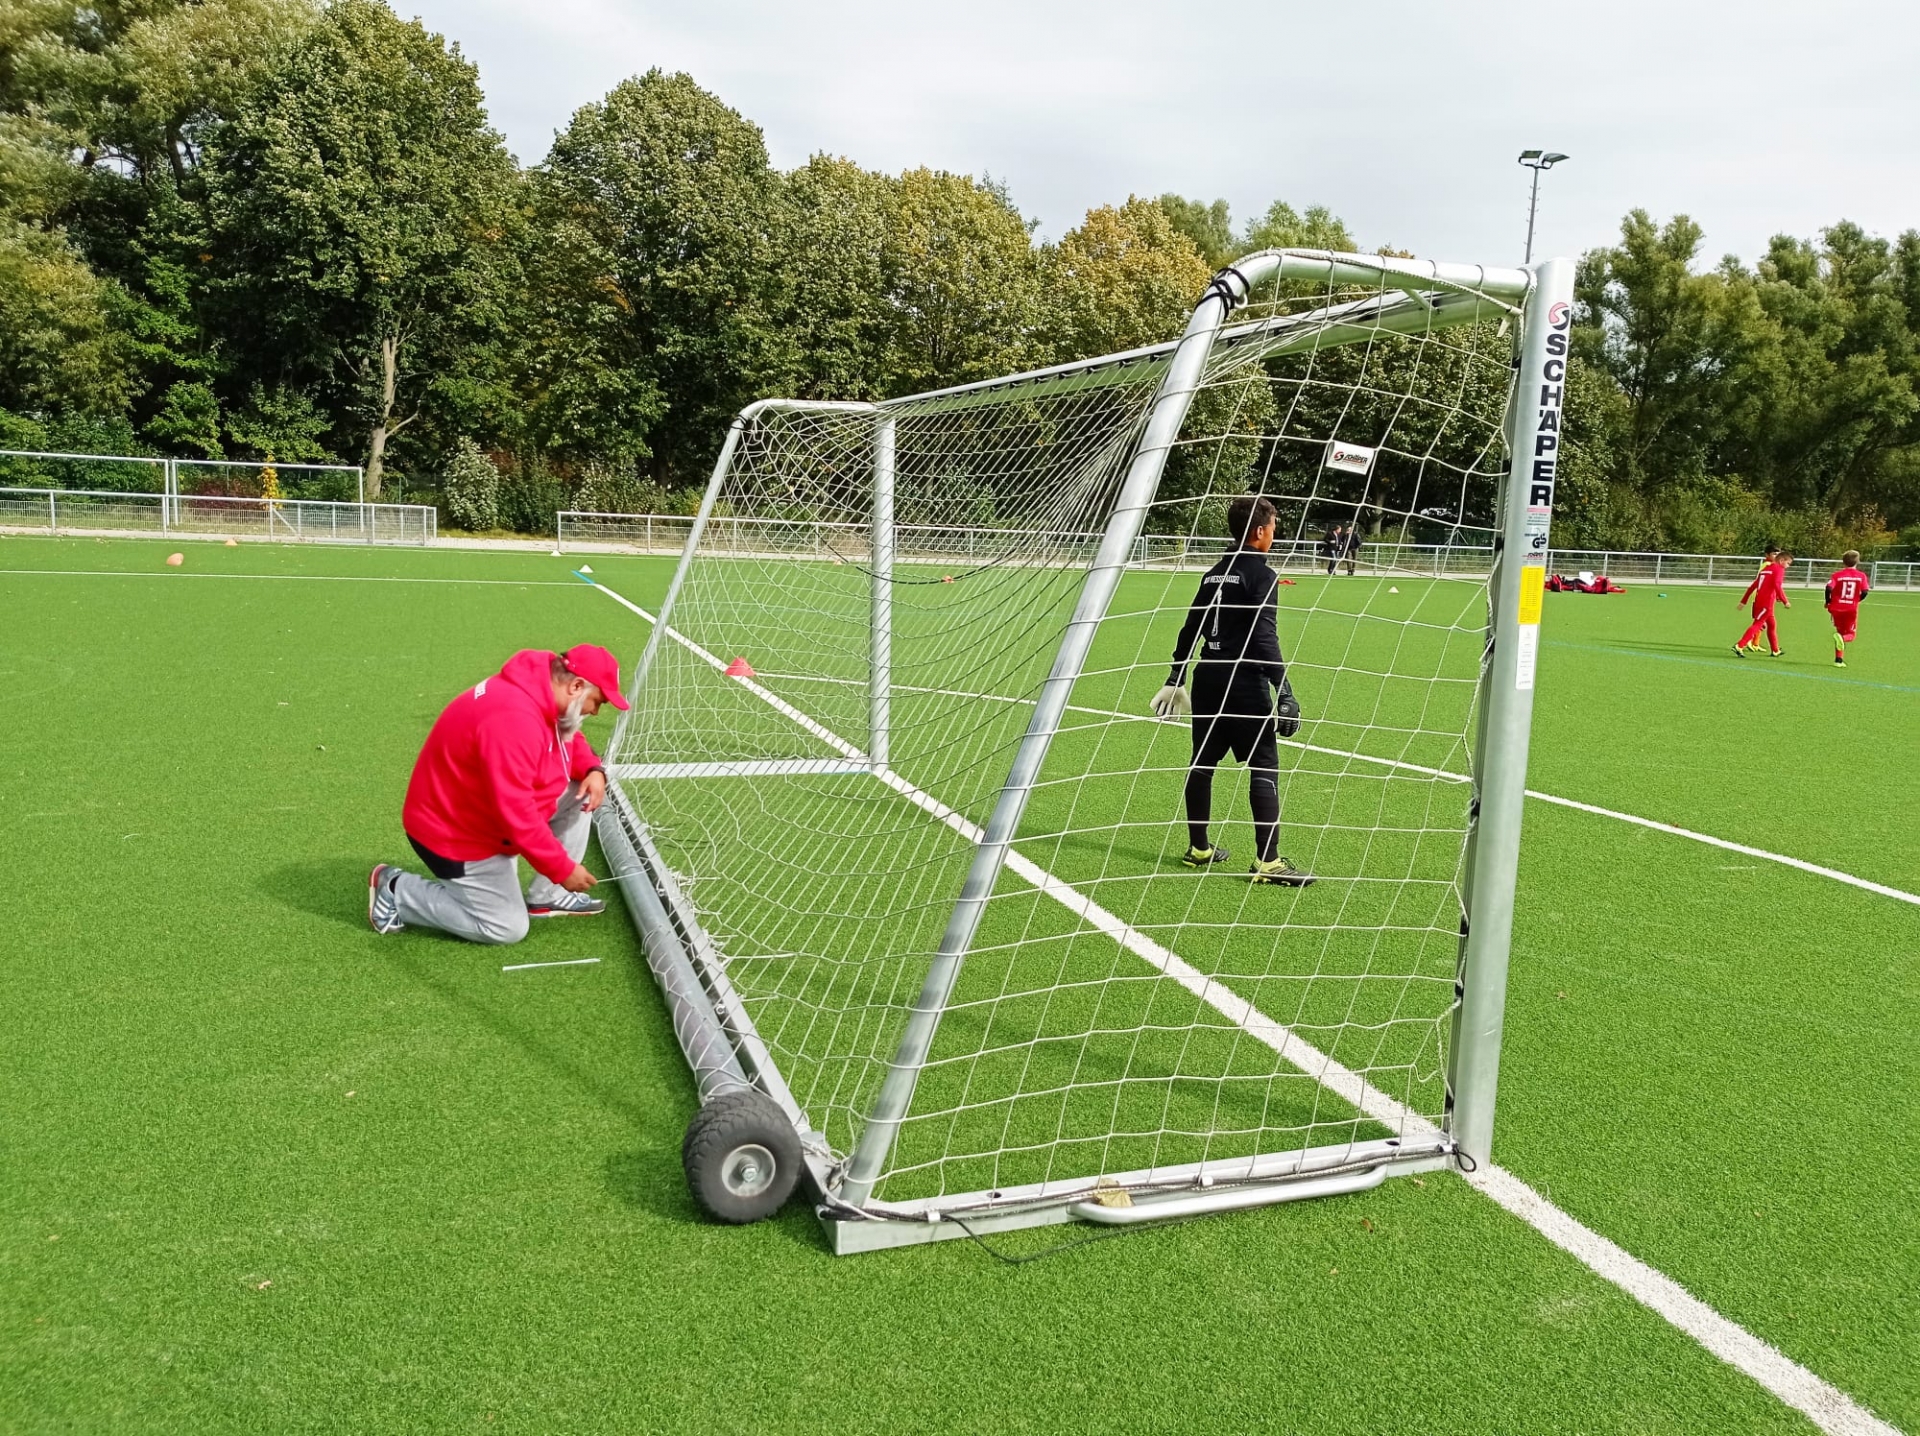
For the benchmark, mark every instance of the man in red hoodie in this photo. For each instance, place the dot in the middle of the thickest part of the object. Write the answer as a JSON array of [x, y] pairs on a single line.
[[505, 772]]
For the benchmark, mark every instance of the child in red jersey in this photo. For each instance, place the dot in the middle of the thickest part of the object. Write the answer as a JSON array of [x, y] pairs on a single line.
[[1844, 591], [1768, 588]]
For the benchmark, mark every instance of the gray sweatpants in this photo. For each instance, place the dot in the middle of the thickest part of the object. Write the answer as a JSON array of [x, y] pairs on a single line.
[[486, 904]]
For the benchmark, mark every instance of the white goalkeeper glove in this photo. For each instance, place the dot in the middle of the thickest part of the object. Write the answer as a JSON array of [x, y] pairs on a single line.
[[1172, 702]]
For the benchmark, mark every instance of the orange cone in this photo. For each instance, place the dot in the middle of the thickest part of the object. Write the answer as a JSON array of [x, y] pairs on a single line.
[[174, 560], [740, 668]]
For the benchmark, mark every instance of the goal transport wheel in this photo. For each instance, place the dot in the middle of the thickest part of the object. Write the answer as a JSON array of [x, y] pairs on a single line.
[[742, 1157]]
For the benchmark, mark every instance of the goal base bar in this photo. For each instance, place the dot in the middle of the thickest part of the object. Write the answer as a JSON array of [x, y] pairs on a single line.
[[1196, 1189]]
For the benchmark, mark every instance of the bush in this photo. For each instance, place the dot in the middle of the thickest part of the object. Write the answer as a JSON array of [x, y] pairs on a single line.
[[470, 489], [530, 495], [606, 488]]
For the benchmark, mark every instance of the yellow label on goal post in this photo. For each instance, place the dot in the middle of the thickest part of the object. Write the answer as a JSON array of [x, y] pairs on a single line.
[[1533, 583]]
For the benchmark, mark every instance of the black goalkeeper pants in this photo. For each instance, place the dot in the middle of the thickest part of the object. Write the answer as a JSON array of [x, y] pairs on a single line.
[[1254, 742]]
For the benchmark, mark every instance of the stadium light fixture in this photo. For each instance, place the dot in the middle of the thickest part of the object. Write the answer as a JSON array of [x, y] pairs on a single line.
[[1537, 160]]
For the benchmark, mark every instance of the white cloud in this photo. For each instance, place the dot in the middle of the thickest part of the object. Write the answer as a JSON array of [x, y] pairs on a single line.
[[1403, 118]]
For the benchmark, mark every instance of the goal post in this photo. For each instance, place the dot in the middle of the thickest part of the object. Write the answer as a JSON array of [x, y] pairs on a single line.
[[1515, 592], [900, 834]]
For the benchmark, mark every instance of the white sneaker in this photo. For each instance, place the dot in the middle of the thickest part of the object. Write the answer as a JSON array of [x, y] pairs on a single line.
[[567, 905]]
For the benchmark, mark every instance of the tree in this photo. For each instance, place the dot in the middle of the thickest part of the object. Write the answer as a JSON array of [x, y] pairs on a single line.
[[1125, 277], [59, 349], [1209, 226], [1684, 348], [967, 294], [657, 209], [1283, 227], [358, 206], [1842, 397], [836, 265]]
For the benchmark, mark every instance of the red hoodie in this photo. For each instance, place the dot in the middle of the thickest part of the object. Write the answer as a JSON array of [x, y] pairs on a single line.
[[493, 770]]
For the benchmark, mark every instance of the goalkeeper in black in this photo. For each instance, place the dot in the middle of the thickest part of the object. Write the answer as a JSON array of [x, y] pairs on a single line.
[[1239, 661]]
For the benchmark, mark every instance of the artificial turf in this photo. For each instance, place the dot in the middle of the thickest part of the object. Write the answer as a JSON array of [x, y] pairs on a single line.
[[204, 1231]]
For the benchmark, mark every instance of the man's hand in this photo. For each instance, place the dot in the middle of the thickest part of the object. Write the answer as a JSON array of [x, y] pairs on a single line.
[[593, 792], [579, 880], [1171, 702]]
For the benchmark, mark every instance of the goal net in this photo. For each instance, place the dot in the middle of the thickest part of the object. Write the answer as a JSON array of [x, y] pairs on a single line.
[[906, 838]]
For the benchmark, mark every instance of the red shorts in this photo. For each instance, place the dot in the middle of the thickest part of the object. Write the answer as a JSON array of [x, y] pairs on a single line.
[[1843, 622]]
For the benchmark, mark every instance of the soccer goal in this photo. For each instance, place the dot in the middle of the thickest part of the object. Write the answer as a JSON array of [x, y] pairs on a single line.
[[903, 836]]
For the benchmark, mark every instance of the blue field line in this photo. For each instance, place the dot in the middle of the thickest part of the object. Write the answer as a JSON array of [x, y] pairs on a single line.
[[1746, 665], [585, 578]]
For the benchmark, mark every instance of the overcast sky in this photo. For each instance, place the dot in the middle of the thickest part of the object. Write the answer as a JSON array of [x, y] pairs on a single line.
[[1754, 117]]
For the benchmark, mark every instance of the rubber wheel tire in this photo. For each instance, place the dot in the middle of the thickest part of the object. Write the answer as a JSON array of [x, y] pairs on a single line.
[[742, 1158]]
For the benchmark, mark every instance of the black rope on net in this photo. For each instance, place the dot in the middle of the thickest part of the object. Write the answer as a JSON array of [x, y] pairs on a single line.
[[1218, 285]]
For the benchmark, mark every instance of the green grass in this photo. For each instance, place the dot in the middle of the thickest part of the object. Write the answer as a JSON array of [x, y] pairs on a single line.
[[203, 1231]]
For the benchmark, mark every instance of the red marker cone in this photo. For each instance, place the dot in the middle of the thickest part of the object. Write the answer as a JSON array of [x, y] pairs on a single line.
[[740, 668]]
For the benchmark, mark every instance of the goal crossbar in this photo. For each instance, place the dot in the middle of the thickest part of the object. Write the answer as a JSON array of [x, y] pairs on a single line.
[[711, 1020]]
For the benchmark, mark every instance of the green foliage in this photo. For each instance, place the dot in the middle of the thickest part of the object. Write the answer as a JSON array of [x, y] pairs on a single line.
[[470, 488], [281, 424], [59, 349], [356, 202], [838, 268], [530, 495], [1209, 226], [1775, 401], [610, 488], [658, 209], [1283, 227], [285, 228], [1125, 278], [189, 419], [968, 294]]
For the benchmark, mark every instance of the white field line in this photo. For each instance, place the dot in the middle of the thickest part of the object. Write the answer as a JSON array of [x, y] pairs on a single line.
[[1829, 1408], [176, 574], [564, 962], [1882, 889], [1864, 884]]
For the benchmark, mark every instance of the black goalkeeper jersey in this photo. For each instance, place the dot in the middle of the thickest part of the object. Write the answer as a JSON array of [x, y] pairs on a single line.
[[1233, 622]]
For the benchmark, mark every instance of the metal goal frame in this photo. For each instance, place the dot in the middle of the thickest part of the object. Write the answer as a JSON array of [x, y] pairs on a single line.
[[711, 1023]]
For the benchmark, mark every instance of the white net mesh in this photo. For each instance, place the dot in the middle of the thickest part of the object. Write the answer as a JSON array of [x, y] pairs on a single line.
[[1117, 1012]]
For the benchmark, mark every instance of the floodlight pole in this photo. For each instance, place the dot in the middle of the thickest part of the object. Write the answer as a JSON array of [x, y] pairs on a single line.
[[1536, 161], [1506, 709]]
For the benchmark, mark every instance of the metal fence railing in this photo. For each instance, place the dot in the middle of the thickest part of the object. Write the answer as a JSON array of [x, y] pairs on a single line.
[[104, 512], [1688, 568], [743, 537], [948, 543], [157, 474]]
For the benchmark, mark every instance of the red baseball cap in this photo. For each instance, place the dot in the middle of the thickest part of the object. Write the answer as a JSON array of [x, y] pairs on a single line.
[[598, 667]]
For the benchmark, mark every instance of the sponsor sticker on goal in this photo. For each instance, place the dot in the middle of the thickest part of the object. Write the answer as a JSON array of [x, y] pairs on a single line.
[[1533, 583], [1349, 458]]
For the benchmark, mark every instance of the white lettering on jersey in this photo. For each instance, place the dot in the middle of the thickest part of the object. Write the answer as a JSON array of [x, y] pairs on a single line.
[[480, 689]]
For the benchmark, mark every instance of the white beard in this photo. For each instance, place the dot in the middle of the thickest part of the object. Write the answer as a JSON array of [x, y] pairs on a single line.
[[569, 722]]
